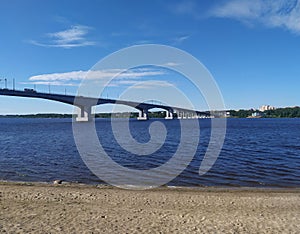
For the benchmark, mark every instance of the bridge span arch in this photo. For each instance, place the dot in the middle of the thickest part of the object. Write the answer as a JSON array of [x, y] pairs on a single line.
[[85, 104]]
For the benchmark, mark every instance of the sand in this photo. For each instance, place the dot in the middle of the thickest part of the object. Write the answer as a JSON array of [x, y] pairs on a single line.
[[42, 208]]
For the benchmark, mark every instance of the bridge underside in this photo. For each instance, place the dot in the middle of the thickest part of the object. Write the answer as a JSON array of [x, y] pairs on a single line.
[[85, 105], [144, 113], [85, 114]]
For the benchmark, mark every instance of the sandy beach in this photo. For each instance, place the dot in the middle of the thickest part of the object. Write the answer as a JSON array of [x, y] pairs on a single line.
[[45, 208]]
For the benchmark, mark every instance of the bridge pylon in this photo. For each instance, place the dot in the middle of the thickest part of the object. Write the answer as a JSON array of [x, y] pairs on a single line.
[[169, 114], [84, 114], [143, 115]]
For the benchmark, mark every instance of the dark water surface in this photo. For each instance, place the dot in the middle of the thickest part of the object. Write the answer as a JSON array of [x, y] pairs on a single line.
[[256, 152]]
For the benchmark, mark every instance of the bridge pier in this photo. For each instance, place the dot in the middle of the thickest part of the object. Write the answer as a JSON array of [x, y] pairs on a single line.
[[169, 115], [143, 115], [84, 114], [181, 115]]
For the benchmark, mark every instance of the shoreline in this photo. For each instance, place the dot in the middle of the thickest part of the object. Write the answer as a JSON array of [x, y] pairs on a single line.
[[80, 208], [164, 187]]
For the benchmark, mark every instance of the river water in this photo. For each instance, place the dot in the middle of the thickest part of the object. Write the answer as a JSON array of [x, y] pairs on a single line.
[[256, 152]]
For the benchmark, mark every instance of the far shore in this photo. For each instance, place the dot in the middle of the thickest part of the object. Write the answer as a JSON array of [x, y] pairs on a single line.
[[78, 208]]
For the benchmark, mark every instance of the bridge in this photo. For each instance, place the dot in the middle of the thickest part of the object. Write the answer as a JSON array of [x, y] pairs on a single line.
[[85, 104]]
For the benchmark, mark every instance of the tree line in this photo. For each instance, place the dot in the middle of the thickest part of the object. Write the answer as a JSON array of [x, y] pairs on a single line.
[[287, 112]]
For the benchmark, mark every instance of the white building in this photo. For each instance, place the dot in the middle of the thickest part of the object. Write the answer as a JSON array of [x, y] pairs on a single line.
[[266, 107]]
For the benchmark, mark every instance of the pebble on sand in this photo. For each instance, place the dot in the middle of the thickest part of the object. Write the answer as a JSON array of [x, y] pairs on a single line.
[[57, 182]]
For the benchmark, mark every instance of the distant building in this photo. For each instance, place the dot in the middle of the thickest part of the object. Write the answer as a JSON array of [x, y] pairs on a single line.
[[256, 114], [266, 107]]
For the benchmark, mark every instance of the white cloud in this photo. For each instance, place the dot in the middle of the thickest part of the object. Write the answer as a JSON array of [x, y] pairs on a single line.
[[271, 13], [52, 83], [70, 38], [152, 84], [73, 77], [171, 64], [179, 40], [66, 76]]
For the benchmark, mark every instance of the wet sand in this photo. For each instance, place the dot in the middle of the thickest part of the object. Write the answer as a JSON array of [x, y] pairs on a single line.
[[42, 208]]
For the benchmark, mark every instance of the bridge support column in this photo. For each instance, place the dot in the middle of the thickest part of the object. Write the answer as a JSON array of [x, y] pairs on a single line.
[[143, 115], [84, 114], [169, 115], [179, 115]]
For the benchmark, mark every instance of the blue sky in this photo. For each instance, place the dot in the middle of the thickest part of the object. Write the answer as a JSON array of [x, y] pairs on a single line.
[[252, 48]]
